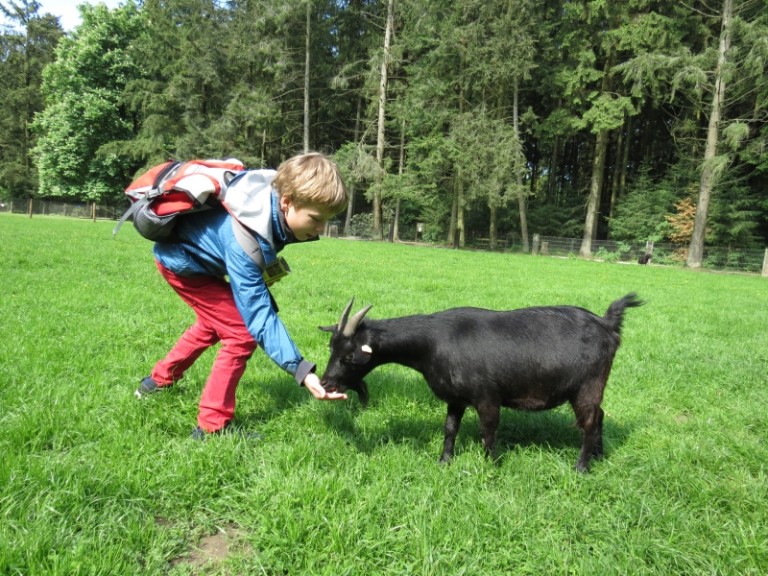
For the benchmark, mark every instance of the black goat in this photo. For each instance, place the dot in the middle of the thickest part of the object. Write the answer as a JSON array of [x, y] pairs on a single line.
[[527, 359]]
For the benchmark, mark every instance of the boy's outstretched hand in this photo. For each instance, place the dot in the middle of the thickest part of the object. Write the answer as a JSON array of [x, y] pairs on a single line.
[[312, 383]]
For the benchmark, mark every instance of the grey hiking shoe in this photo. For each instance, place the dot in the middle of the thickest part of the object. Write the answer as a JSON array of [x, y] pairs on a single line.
[[147, 387]]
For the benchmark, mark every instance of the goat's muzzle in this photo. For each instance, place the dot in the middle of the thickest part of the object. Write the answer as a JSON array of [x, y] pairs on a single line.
[[360, 388]]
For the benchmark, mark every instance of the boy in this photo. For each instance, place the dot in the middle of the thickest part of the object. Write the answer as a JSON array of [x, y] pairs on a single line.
[[290, 205]]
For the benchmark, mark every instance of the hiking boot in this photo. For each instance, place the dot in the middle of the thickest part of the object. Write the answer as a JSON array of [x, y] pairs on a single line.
[[147, 387], [200, 435]]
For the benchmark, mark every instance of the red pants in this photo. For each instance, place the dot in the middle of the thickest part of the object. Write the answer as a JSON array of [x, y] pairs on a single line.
[[218, 320]]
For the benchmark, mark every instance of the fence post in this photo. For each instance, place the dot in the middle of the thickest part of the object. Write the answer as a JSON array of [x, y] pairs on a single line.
[[649, 247], [765, 264], [535, 247]]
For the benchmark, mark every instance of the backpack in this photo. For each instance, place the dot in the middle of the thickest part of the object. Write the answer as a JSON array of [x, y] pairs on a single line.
[[171, 189]]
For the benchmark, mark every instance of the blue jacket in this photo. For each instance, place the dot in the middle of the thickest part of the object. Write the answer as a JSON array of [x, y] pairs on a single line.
[[207, 246]]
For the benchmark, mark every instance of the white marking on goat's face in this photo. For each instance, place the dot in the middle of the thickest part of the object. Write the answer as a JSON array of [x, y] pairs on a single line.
[[362, 355]]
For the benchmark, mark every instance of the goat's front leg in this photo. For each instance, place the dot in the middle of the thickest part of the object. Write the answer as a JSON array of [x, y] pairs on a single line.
[[452, 424]]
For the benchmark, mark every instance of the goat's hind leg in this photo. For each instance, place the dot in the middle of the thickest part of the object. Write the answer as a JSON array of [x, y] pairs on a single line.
[[452, 424], [489, 413], [589, 418], [597, 451]]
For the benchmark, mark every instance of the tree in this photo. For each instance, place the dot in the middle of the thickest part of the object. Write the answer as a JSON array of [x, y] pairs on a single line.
[[187, 76], [682, 222], [590, 85], [563, 116], [258, 70], [464, 60], [489, 156], [307, 63], [25, 50], [382, 104], [722, 86], [641, 216], [84, 116], [510, 53], [709, 170], [433, 65]]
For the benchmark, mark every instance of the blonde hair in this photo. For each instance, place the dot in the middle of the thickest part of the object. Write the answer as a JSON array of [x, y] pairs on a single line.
[[312, 178]]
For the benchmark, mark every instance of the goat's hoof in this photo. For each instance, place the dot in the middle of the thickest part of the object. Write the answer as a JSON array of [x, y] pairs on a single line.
[[582, 468]]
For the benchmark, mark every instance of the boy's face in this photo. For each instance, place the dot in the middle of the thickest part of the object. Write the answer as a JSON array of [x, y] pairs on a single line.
[[306, 221]]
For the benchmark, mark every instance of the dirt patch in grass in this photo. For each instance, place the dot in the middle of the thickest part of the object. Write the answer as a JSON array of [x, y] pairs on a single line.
[[213, 550]]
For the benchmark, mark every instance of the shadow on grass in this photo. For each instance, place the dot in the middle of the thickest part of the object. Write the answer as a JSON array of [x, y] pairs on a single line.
[[555, 428], [261, 401], [366, 433], [404, 411]]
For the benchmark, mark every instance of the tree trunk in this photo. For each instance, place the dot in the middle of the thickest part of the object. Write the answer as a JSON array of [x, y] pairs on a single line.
[[306, 76], [351, 203], [521, 194], [451, 239], [263, 147], [625, 158], [616, 172], [456, 226], [598, 173], [523, 207], [461, 241], [708, 175], [493, 228], [595, 188], [552, 180], [400, 170], [382, 107]]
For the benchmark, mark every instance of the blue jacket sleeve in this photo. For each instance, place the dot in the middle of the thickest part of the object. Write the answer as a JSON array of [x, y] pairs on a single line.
[[253, 300]]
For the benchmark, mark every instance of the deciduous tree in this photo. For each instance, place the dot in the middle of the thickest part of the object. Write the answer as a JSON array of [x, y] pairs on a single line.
[[27, 45], [84, 115]]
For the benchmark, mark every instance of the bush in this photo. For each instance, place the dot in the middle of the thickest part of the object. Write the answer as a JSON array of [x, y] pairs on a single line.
[[621, 252], [361, 225], [607, 255]]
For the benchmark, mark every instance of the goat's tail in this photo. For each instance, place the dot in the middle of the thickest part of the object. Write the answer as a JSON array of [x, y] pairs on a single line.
[[615, 314]]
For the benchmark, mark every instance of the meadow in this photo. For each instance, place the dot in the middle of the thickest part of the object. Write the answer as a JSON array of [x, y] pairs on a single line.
[[94, 481]]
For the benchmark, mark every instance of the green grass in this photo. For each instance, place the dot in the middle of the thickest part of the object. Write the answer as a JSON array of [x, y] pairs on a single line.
[[95, 482]]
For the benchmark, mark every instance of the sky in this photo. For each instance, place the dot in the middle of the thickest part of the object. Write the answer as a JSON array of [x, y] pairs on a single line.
[[67, 12]]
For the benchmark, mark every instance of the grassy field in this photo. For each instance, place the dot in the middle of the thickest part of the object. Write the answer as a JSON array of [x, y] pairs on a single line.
[[93, 481]]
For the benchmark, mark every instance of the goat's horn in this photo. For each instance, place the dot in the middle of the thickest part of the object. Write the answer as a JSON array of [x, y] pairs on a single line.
[[345, 315], [351, 326]]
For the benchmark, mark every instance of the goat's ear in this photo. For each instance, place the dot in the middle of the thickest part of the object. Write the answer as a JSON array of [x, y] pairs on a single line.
[[362, 354], [327, 328]]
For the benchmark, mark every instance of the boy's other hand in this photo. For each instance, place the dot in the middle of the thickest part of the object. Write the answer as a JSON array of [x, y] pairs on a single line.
[[312, 383]]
